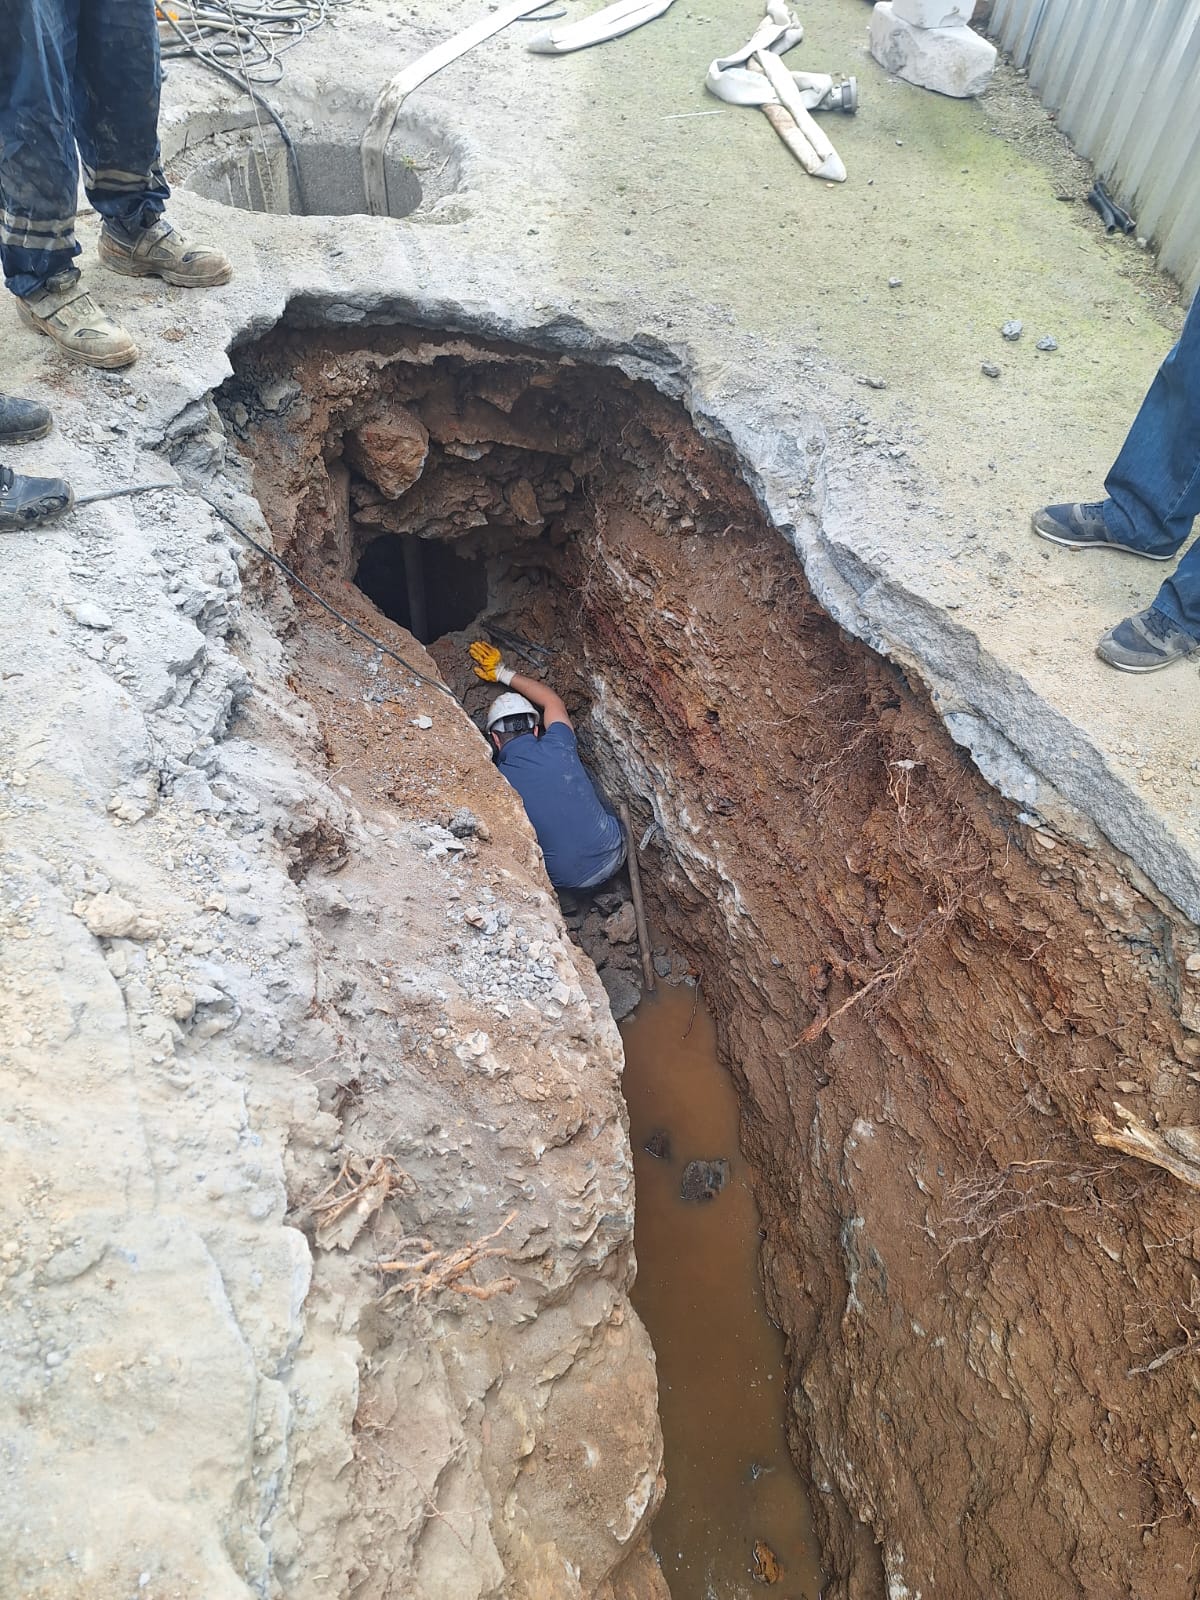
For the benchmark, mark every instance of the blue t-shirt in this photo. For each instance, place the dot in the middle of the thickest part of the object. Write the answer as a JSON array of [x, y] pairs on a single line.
[[579, 838]]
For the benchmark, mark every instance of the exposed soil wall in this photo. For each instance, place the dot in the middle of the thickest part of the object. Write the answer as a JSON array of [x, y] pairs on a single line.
[[932, 1005]]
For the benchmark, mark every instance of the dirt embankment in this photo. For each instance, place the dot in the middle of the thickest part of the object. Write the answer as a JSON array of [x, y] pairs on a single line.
[[951, 1025]]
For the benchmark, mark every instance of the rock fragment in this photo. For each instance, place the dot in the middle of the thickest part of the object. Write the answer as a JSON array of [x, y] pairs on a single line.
[[111, 916], [990, 369], [704, 1180], [88, 614], [1012, 329], [389, 453], [621, 927], [623, 993]]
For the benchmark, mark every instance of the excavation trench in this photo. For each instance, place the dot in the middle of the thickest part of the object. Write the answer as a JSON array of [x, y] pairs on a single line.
[[927, 1004]]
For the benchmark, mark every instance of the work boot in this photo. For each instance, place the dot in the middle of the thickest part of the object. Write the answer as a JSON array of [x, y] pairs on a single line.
[[67, 314], [22, 420], [160, 252], [24, 501], [1146, 642], [1082, 527]]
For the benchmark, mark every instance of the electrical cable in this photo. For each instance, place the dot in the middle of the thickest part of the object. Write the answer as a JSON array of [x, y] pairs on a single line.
[[91, 498], [333, 611], [254, 35], [191, 47]]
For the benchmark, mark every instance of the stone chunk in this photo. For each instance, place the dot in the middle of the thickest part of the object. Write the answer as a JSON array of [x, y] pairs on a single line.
[[111, 916], [934, 13], [389, 451], [621, 927], [951, 61], [623, 993], [704, 1180], [88, 615], [523, 500]]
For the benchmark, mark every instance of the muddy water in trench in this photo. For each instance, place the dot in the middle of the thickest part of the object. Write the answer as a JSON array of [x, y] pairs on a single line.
[[721, 1375]]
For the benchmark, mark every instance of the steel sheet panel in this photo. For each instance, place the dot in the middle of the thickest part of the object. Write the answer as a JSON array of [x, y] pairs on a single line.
[[1123, 77]]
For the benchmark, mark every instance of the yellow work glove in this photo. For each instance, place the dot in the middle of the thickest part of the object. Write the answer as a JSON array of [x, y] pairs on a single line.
[[489, 663]]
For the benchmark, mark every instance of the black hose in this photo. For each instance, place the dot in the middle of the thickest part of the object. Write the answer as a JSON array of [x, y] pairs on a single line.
[[320, 599], [1099, 203], [1121, 217], [1115, 219]]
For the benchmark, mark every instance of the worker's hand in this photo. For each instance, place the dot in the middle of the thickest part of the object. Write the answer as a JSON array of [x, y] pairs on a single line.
[[489, 663]]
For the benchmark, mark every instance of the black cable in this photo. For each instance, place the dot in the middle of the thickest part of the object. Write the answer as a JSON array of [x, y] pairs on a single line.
[[332, 610], [93, 495], [242, 82]]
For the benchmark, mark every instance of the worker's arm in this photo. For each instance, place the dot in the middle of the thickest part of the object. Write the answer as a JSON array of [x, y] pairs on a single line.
[[548, 703], [489, 665]]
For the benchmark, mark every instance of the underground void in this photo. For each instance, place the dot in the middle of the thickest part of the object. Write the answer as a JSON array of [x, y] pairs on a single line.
[[463, 503], [422, 585], [871, 926]]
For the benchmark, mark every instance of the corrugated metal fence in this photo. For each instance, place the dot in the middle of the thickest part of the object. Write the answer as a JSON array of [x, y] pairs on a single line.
[[1124, 78]]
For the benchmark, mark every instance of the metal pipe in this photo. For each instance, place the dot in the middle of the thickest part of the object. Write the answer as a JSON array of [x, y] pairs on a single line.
[[639, 909], [414, 580]]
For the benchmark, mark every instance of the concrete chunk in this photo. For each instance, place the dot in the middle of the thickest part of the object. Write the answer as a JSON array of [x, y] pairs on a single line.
[[953, 61], [934, 13]]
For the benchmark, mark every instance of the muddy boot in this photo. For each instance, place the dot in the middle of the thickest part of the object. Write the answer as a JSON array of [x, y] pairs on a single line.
[[25, 501], [67, 314], [22, 420], [160, 252]]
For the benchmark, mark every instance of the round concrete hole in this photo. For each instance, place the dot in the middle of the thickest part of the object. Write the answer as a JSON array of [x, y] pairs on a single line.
[[250, 168]]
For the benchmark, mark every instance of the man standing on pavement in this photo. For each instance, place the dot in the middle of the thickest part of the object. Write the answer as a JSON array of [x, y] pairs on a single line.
[[81, 78], [1153, 496], [582, 841]]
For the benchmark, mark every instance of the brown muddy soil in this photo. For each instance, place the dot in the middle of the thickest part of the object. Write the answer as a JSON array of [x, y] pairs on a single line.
[[937, 1011]]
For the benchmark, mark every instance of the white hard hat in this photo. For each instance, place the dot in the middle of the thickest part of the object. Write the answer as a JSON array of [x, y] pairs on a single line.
[[510, 705]]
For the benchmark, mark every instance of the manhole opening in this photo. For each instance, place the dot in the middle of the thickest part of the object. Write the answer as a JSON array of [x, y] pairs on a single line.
[[251, 169]]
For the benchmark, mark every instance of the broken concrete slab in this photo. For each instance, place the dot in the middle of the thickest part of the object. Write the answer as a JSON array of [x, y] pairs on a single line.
[[952, 61]]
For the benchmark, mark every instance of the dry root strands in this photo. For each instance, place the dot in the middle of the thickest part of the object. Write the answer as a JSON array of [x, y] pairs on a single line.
[[996, 1202], [344, 1207], [428, 1270]]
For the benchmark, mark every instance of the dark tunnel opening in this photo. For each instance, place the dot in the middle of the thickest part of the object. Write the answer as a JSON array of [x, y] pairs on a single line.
[[422, 584]]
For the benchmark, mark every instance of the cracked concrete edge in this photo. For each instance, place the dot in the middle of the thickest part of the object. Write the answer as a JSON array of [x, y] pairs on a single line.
[[1053, 769]]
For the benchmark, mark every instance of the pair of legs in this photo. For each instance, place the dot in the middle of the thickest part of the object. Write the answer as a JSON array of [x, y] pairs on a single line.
[[75, 74], [80, 79], [1153, 497]]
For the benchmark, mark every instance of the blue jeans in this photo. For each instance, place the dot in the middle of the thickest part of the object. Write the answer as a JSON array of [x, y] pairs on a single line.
[[75, 73], [1154, 485]]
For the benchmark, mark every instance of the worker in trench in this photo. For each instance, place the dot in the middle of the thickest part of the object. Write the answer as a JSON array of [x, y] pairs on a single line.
[[80, 79], [534, 741]]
